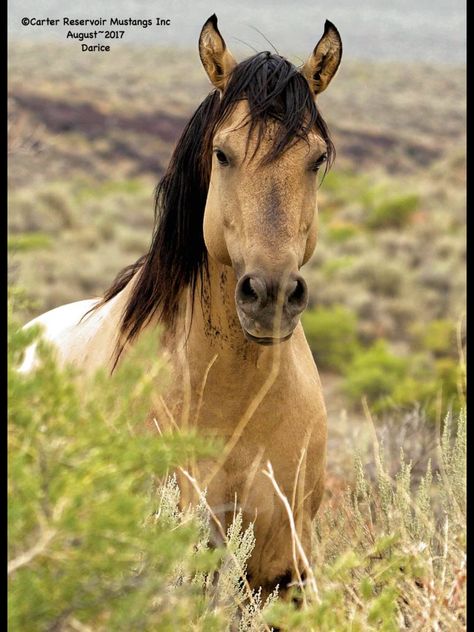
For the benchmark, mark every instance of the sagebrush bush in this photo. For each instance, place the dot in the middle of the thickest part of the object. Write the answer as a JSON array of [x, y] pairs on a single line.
[[99, 541], [331, 335], [374, 374], [437, 336], [381, 276], [390, 552], [340, 231], [392, 212], [390, 380], [79, 495], [28, 242]]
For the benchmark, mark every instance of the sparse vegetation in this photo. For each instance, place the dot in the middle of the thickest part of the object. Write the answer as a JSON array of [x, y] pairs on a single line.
[[391, 211], [331, 333], [96, 538]]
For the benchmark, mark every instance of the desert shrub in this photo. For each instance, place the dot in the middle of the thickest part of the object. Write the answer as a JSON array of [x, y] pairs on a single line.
[[388, 380], [332, 290], [451, 378], [390, 551], [437, 336], [439, 388], [393, 212], [331, 335], [441, 382], [79, 493], [98, 539], [451, 246], [379, 275], [133, 241], [340, 231], [106, 229], [90, 190], [331, 267], [57, 198], [27, 214], [403, 312], [436, 275], [356, 246], [339, 187], [374, 373], [399, 244], [26, 242], [378, 205]]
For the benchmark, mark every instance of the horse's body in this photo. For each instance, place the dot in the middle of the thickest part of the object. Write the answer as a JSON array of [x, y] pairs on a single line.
[[264, 400], [85, 343]]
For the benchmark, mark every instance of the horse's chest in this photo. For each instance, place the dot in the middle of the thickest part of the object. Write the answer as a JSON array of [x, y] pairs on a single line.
[[256, 420], [278, 429]]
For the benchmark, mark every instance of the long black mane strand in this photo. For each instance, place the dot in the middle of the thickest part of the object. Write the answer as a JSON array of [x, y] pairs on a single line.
[[177, 252], [276, 92]]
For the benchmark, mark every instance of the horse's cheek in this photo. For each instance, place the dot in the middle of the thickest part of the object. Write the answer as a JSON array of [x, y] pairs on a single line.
[[310, 243], [215, 240]]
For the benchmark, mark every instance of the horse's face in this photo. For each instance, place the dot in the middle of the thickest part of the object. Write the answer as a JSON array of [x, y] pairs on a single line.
[[262, 221], [260, 216]]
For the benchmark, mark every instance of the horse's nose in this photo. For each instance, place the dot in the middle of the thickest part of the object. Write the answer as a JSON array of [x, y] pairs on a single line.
[[254, 292], [251, 293], [296, 295]]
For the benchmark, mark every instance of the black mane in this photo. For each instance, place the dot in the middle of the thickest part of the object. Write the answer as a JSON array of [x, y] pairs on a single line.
[[177, 257]]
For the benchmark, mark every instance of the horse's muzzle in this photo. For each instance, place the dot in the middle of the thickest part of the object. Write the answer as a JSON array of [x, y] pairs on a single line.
[[266, 340], [268, 308]]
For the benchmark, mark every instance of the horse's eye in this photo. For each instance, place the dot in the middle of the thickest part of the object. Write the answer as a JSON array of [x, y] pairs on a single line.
[[221, 157], [319, 162]]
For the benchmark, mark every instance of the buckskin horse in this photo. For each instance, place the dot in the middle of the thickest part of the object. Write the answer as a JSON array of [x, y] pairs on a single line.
[[236, 219]]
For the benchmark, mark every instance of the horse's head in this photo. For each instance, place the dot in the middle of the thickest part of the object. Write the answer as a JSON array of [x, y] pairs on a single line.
[[241, 188], [268, 142]]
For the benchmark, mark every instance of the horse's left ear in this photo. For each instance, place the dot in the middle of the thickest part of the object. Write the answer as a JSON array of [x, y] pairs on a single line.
[[216, 58], [324, 62]]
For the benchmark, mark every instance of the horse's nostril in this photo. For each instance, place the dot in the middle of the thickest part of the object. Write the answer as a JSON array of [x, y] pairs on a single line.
[[251, 292], [297, 296], [247, 292]]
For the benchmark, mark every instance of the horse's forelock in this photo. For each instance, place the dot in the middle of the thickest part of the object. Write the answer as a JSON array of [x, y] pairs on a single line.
[[276, 92]]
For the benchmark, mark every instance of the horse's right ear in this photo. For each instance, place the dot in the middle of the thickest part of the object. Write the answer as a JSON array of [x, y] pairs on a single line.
[[216, 58], [325, 59]]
